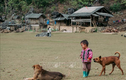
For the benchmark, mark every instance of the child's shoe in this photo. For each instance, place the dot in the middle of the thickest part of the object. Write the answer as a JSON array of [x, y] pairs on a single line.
[[84, 74]]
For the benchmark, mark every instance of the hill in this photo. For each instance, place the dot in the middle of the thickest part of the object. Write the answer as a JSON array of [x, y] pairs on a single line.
[[46, 6], [21, 7]]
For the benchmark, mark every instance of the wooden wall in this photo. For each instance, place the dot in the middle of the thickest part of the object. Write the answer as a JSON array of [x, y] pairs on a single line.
[[40, 20]]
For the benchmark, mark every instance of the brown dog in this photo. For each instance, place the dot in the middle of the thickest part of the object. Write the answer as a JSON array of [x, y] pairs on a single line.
[[41, 74], [114, 60]]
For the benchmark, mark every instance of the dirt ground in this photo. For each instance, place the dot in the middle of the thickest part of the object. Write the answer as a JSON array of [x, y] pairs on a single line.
[[19, 51]]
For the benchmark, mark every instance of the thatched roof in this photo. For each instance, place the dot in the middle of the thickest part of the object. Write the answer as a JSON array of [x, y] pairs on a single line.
[[88, 11]]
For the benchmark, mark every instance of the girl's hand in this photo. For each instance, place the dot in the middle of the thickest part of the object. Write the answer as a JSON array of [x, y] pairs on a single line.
[[80, 57], [88, 60]]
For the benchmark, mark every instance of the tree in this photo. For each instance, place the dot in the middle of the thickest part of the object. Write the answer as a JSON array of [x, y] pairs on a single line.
[[2, 6], [123, 2]]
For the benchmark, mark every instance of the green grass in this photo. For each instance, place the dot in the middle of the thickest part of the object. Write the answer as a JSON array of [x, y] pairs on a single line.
[[19, 51]]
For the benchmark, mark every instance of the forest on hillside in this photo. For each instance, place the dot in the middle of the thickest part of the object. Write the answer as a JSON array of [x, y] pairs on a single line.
[[8, 7]]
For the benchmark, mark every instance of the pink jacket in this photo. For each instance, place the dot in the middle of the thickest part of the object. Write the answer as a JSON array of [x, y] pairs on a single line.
[[87, 54]]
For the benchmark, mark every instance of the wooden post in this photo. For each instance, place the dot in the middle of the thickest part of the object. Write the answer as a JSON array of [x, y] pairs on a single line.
[[71, 26], [66, 22], [69, 23], [73, 29], [76, 26], [54, 26], [90, 21], [33, 28], [60, 25], [81, 22]]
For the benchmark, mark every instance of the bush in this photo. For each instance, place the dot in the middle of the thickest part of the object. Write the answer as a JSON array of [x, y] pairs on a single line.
[[106, 1], [115, 7], [53, 8]]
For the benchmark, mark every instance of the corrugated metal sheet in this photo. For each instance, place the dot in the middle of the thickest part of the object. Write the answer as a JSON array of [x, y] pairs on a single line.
[[59, 19], [65, 16], [88, 11], [34, 15], [95, 15], [104, 14]]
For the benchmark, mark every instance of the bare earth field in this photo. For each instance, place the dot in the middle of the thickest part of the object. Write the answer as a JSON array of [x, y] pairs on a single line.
[[20, 51]]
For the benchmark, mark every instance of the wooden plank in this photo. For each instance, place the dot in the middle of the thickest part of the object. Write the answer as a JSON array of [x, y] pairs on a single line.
[[81, 20]]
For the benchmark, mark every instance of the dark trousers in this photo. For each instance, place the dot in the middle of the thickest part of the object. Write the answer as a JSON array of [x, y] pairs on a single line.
[[87, 66]]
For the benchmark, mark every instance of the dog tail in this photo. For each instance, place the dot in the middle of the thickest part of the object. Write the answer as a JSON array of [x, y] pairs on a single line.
[[118, 53]]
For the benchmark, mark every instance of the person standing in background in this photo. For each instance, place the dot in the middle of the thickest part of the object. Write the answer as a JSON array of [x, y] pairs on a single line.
[[50, 31]]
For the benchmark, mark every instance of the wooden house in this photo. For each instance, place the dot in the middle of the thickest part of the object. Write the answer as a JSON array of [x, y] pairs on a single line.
[[91, 16], [36, 20]]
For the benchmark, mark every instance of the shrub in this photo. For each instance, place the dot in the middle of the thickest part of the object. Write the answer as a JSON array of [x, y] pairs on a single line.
[[53, 8], [115, 7]]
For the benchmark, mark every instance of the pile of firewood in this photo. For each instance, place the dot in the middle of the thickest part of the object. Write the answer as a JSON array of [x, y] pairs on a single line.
[[110, 30], [8, 31], [122, 28], [4, 31], [19, 30], [114, 29]]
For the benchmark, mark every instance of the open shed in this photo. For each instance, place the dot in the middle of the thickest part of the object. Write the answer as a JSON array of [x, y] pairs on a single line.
[[91, 16], [62, 20]]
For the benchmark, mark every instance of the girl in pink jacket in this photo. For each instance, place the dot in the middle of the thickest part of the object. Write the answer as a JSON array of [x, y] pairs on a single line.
[[86, 56]]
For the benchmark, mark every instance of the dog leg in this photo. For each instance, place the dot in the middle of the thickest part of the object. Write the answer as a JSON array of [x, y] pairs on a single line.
[[118, 65], [113, 65], [103, 68], [104, 71], [120, 69]]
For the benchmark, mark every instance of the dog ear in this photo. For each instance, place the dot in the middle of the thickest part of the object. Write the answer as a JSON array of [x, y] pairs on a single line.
[[40, 66], [99, 57], [33, 66]]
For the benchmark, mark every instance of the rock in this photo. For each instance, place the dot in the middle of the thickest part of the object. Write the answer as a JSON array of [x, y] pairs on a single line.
[[56, 57], [71, 66], [96, 68], [11, 75], [56, 65]]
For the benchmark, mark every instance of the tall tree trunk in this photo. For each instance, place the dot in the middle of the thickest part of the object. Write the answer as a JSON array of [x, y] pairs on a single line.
[[5, 3]]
